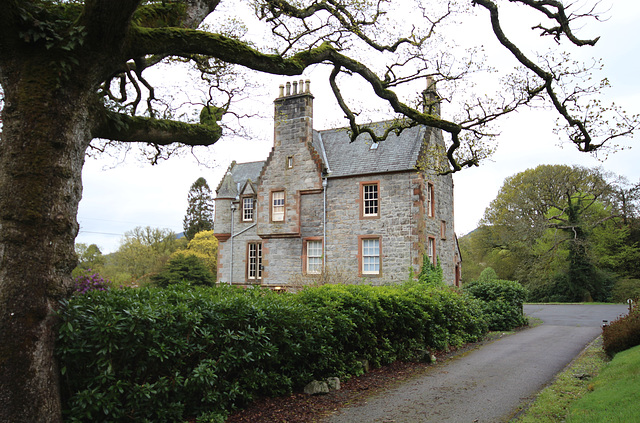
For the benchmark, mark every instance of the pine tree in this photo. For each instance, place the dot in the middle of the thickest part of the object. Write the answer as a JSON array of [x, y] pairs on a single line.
[[199, 215]]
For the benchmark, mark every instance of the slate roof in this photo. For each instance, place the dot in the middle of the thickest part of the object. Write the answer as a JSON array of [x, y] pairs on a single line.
[[238, 173], [345, 158]]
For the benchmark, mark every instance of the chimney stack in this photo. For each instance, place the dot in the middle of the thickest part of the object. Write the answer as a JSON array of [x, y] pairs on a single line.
[[293, 118], [431, 98]]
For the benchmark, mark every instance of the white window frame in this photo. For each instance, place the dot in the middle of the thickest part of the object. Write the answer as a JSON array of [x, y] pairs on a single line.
[[430, 200], [431, 250], [277, 206], [254, 261], [247, 212], [314, 257], [370, 199], [370, 256]]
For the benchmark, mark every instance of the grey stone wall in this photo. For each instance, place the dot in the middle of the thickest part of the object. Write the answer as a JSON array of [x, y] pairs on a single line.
[[293, 135], [402, 225], [394, 226]]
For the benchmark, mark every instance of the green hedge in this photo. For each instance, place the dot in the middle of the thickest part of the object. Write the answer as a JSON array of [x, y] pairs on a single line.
[[502, 302], [165, 355]]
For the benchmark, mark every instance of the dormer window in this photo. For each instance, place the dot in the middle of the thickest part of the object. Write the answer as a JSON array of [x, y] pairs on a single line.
[[247, 209]]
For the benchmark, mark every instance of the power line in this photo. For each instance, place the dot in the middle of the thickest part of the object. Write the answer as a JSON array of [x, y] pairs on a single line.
[[99, 233]]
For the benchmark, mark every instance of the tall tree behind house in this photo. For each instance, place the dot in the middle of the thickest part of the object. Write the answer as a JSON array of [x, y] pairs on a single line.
[[199, 215]]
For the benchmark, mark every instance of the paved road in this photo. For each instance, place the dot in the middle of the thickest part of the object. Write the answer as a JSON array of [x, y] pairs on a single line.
[[488, 384]]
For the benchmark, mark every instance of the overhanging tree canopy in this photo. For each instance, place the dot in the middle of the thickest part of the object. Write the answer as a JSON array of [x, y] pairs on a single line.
[[73, 71]]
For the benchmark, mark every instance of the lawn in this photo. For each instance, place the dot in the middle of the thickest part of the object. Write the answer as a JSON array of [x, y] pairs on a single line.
[[614, 394], [591, 389]]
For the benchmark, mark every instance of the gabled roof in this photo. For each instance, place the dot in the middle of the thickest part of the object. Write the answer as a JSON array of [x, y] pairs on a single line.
[[237, 177], [341, 157], [345, 158]]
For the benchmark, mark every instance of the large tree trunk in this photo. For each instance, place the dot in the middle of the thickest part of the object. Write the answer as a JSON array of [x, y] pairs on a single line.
[[44, 137]]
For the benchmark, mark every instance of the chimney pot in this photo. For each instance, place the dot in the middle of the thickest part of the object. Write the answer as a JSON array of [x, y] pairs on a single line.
[[281, 90], [431, 85], [308, 86], [295, 87], [288, 88]]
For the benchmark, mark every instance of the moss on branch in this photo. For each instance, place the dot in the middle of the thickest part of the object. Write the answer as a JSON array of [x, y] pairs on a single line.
[[125, 128], [187, 42], [157, 15]]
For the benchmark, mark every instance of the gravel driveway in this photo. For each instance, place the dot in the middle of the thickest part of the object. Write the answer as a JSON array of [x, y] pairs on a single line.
[[488, 384]]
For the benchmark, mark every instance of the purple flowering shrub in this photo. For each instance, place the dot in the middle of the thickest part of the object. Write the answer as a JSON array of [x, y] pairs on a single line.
[[91, 282]]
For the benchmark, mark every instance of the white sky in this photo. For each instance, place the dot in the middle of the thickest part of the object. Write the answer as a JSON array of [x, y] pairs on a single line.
[[135, 193]]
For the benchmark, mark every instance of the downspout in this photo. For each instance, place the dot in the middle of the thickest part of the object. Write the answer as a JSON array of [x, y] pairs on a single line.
[[324, 223], [233, 211], [325, 174], [411, 224], [245, 229], [234, 207]]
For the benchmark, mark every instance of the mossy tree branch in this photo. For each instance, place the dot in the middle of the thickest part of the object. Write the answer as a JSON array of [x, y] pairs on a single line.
[[126, 128], [188, 42]]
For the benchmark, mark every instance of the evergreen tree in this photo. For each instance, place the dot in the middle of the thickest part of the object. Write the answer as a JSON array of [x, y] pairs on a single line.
[[199, 215], [184, 268]]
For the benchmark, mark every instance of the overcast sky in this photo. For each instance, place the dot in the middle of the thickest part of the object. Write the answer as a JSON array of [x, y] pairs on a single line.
[[134, 193]]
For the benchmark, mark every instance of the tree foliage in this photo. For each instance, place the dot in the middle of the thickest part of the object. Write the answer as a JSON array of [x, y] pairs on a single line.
[[74, 78], [89, 257], [142, 253], [199, 215], [561, 231], [204, 246], [183, 268]]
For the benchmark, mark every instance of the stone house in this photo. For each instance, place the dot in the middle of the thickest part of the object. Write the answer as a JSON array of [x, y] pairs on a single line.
[[320, 202]]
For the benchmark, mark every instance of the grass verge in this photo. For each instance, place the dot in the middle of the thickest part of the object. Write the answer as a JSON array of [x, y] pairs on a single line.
[[614, 395], [553, 402], [590, 390]]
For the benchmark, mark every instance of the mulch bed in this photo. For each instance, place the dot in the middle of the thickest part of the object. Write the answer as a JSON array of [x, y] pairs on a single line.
[[302, 408]]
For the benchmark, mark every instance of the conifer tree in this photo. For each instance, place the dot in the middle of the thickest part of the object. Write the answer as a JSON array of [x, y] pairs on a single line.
[[199, 215]]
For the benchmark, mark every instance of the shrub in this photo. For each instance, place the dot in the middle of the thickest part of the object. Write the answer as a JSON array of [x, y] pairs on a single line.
[[502, 302], [384, 324], [488, 275], [184, 268], [430, 273], [91, 281], [622, 334], [185, 352], [329, 275]]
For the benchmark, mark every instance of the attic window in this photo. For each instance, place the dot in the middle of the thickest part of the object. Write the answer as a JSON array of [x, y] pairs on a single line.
[[247, 209], [373, 146]]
